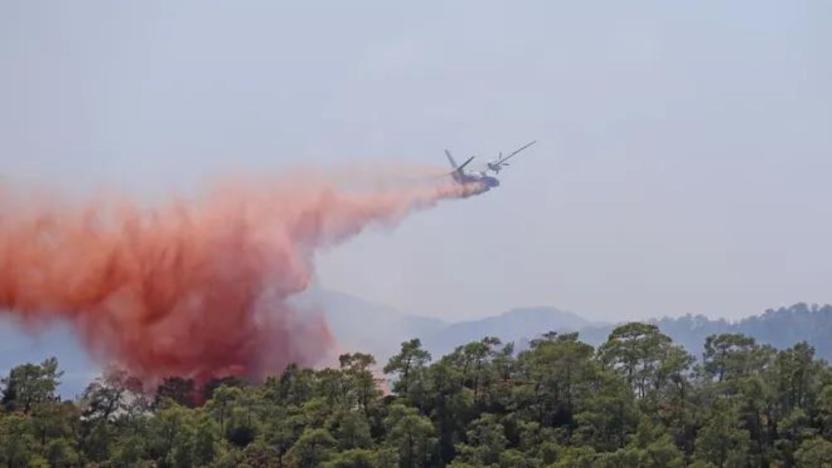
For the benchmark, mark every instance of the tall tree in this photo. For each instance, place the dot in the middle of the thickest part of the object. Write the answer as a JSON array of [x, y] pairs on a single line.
[[645, 357], [30, 384], [410, 360], [412, 436], [722, 441], [553, 378]]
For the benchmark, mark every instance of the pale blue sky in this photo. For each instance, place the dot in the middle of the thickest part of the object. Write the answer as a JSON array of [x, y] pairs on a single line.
[[685, 147]]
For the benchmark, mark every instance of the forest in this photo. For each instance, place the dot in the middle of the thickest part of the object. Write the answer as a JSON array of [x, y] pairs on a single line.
[[637, 400]]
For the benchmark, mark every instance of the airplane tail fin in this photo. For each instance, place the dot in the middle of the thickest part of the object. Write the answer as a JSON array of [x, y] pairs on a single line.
[[451, 160], [458, 173]]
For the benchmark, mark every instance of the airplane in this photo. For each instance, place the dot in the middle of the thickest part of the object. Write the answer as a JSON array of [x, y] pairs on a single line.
[[461, 177], [497, 165], [482, 178]]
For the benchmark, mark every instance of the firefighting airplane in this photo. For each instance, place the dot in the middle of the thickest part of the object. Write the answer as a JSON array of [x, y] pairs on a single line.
[[481, 177]]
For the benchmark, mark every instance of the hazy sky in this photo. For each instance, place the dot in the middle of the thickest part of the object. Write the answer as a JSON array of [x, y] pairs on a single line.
[[684, 163]]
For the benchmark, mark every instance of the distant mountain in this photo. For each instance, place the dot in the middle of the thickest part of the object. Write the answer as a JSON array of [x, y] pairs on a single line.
[[786, 326], [514, 325], [378, 329], [781, 328], [690, 331], [360, 325]]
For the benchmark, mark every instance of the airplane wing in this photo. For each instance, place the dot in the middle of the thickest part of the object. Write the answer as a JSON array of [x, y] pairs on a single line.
[[457, 168], [460, 168], [513, 153], [458, 173]]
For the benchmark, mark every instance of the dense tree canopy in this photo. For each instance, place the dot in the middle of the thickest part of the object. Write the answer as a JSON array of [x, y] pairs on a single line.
[[639, 400]]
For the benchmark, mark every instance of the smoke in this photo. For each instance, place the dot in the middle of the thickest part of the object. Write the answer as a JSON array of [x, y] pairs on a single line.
[[195, 288]]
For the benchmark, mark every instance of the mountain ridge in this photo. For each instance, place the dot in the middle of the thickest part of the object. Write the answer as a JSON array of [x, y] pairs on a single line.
[[780, 327], [359, 325], [511, 325]]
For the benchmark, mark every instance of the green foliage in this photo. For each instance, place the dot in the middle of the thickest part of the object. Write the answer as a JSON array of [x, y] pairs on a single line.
[[363, 458], [646, 358], [814, 452], [314, 447], [30, 384], [486, 441], [411, 435], [639, 401], [653, 447], [722, 441], [17, 443], [407, 367]]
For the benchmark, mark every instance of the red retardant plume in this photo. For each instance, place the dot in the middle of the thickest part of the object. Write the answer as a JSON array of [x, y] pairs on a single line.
[[196, 290]]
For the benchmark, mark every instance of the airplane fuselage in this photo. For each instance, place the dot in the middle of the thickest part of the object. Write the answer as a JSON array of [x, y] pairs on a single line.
[[487, 181]]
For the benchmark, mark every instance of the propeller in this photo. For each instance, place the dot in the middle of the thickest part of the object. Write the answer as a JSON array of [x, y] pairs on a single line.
[[502, 161]]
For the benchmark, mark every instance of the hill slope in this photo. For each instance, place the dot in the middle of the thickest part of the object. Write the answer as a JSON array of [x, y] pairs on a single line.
[[360, 325], [513, 325], [781, 328]]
